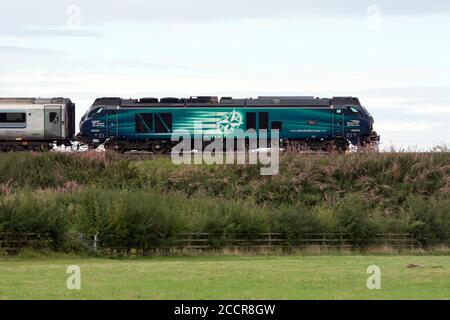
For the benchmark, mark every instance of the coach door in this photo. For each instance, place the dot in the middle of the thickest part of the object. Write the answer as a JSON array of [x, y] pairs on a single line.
[[113, 123], [338, 123], [52, 122]]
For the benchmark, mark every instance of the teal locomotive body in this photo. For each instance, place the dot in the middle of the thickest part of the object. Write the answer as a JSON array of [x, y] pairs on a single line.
[[148, 123]]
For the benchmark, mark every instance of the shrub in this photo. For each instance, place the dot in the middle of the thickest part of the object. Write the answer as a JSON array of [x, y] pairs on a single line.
[[295, 222], [353, 219], [429, 219], [148, 203], [124, 218], [40, 214]]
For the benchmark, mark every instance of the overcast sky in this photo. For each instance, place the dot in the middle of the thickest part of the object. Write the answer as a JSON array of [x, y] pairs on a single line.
[[392, 54]]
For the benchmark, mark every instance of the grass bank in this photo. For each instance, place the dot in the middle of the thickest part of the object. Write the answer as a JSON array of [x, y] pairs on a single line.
[[148, 203]]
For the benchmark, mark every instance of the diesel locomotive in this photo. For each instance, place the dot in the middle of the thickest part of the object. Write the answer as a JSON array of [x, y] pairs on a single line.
[[36, 124], [303, 122]]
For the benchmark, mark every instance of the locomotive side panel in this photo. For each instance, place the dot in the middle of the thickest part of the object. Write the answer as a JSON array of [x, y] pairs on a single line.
[[134, 124], [159, 123], [302, 123]]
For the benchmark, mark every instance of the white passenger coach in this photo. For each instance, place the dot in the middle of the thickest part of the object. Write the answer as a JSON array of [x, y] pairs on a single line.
[[36, 123]]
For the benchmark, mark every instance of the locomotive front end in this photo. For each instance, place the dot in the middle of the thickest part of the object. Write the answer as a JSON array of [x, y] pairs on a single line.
[[94, 123], [372, 139]]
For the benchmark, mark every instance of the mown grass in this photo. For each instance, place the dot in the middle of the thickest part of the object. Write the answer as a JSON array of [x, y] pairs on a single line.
[[293, 277]]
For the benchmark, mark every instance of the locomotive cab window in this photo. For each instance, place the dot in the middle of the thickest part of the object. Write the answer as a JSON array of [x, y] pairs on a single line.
[[13, 117], [96, 111], [353, 110]]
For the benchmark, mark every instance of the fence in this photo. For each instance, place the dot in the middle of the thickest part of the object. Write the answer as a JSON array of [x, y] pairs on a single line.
[[265, 242], [11, 243], [275, 240]]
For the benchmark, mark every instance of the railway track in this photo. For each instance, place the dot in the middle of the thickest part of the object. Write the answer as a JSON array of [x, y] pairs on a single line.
[[141, 155]]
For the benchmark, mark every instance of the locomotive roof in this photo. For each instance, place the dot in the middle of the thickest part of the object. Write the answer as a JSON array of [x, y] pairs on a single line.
[[33, 100], [212, 101]]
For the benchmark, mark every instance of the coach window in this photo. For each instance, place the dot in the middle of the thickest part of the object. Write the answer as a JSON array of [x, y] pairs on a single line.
[[13, 117], [53, 117]]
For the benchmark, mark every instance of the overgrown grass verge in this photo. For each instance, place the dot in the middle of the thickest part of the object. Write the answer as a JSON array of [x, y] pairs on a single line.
[[142, 204]]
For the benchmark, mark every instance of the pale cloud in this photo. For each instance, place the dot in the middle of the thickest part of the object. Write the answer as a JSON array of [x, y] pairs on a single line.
[[401, 126], [430, 109], [239, 48], [46, 32], [14, 51], [54, 12]]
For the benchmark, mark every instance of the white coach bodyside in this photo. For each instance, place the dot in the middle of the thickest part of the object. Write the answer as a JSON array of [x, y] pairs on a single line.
[[36, 119], [31, 129]]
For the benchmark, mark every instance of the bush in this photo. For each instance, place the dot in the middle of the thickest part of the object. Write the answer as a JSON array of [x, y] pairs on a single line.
[[225, 221], [144, 204], [429, 220], [354, 220], [129, 219], [28, 213], [296, 222]]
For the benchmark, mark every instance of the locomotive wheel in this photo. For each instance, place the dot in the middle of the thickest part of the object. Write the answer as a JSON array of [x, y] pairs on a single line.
[[340, 147]]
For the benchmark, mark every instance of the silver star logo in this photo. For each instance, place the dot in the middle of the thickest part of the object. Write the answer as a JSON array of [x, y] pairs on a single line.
[[230, 122]]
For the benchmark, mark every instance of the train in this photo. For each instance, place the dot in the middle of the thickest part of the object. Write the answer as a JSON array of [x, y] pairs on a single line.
[[36, 124], [148, 124]]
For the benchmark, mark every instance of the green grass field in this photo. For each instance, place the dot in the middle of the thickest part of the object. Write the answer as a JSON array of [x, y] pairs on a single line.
[[279, 277]]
